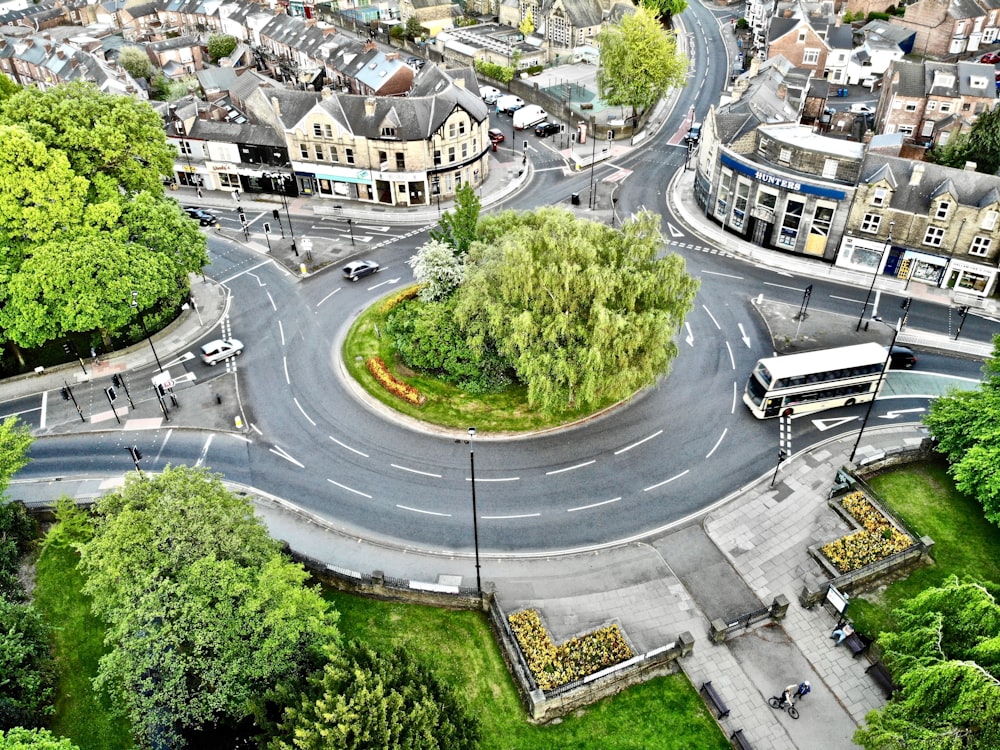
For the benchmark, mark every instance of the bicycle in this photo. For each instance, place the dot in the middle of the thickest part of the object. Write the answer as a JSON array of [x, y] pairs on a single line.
[[779, 703]]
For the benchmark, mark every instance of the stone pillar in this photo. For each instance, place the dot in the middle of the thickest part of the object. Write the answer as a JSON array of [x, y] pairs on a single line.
[[717, 631], [686, 642], [779, 607], [537, 699]]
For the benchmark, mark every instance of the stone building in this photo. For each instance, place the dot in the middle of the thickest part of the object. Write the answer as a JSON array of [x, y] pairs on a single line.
[[951, 27]]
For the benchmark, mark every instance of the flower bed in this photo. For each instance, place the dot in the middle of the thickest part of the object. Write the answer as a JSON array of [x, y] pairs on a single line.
[[387, 380], [553, 665], [391, 302], [877, 538]]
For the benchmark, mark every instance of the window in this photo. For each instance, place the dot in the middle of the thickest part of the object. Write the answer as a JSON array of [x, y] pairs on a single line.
[[980, 245], [905, 129], [383, 157], [785, 155], [452, 129], [966, 106], [303, 150], [871, 223], [810, 57], [317, 130], [946, 106], [334, 154], [762, 147], [879, 196], [328, 131], [830, 168], [723, 197], [451, 154], [790, 225], [942, 210], [934, 236], [400, 161], [229, 180], [185, 148], [320, 155], [910, 107], [349, 155], [802, 35], [931, 106], [461, 128], [822, 220], [740, 205], [465, 151], [437, 157], [388, 132], [990, 221]]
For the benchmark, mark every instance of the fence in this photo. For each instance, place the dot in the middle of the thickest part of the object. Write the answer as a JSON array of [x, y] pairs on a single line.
[[722, 628]]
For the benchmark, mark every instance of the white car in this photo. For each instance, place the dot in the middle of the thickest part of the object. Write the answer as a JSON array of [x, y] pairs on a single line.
[[860, 108], [220, 349], [490, 94]]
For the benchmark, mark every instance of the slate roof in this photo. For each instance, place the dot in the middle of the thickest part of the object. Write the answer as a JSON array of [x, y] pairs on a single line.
[[780, 26], [581, 13], [231, 132], [373, 68], [884, 29], [840, 37], [964, 9], [910, 81], [969, 188], [216, 79]]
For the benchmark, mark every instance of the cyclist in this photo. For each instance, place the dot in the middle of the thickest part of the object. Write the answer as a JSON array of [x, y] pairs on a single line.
[[788, 696]]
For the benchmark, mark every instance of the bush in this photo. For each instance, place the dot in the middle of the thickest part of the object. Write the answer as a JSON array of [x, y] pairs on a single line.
[[500, 73], [26, 666], [534, 70]]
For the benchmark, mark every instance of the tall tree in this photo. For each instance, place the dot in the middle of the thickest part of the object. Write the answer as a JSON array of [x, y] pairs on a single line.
[[221, 45], [136, 62], [204, 614], [945, 654], [457, 228], [437, 269], [639, 62], [26, 666], [363, 699], [585, 313], [665, 9], [33, 739], [15, 440], [981, 145]]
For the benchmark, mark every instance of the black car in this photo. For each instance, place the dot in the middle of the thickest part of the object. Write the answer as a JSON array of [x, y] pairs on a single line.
[[546, 128], [359, 268], [694, 133], [902, 357], [204, 218]]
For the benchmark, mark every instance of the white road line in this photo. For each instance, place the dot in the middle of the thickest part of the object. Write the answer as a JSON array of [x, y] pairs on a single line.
[[162, 446], [717, 443], [638, 443], [237, 275], [415, 471], [284, 361], [328, 296], [502, 479], [593, 505], [271, 299], [523, 515], [343, 445], [281, 330], [666, 481], [256, 429], [303, 411], [349, 489], [727, 275], [712, 317], [783, 286], [204, 450], [732, 410], [279, 452], [425, 512], [570, 468], [239, 437], [44, 412], [732, 360], [844, 299]]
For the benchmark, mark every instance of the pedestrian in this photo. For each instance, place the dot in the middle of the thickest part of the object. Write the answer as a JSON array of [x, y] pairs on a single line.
[[841, 633], [803, 690], [199, 191]]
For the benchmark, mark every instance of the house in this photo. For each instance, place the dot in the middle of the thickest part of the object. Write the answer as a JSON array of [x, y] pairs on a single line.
[[800, 38], [41, 61], [433, 15], [924, 223], [883, 44], [375, 73], [177, 56], [951, 27]]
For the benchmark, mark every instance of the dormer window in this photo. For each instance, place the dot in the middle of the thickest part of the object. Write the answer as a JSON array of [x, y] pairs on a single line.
[[879, 196], [942, 210], [388, 132], [990, 220]]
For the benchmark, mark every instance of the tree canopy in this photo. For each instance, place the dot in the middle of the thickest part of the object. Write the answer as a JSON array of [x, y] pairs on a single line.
[[981, 145], [15, 440], [437, 269], [945, 655], [457, 229], [966, 425], [221, 45], [136, 62], [584, 313], [26, 666], [33, 739], [665, 8], [639, 62], [362, 699], [204, 614]]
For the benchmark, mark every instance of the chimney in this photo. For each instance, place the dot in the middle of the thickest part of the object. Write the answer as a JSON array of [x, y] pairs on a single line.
[[370, 106], [459, 82], [61, 55], [916, 174], [275, 106], [325, 93], [782, 91], [970, 166], [369, 46]]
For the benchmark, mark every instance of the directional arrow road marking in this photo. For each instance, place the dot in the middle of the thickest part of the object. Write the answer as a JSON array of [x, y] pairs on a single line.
[[901, 412], [362, 238], [674, 231], [387, 281], [828, 424], [690, 337], [743, 335]]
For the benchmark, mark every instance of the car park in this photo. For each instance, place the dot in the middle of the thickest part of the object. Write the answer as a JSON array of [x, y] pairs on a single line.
[[496, 135], [547, 129], [204, 218], [215, 351], [359, 268], [902, 357]]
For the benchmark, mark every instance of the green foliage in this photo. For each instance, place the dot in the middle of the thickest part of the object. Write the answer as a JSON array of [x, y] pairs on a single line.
[[527, 26], [945, 654], [639, 62], [457, 228], [136, 62], [502, 73], [363, 699], [17, 533], [221, 45], [428, 338], [7, 86], [73, 528], [953, 154], [204, 614], [15, 440], [438, 270], [584, 312], [742, 23], [665, 8], [874, 16], [26, 673], [33, 739], [413, 29]]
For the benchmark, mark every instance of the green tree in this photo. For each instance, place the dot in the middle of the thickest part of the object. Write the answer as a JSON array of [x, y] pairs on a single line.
[[639, 62], [458, 229], [15, 440], [7, 86], [136, 63], [33, 739], [18, 531], [955, 153], [981, 145], [221, 45], [362, 700], [413, 29], [204, 614], [945, 654], [665, 9], [438, 270], [585, 313], [25, 665], [527, 27]]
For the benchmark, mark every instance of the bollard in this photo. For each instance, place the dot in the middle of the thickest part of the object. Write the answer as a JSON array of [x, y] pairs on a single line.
[[218, 398], [239, 422], [302, 269]]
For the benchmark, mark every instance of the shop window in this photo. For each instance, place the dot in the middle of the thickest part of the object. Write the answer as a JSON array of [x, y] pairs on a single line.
[[740, 205], [871, 223], [229, 180], [822, 220], [934, 236], [980, 246], [791, 223], [722, 200]]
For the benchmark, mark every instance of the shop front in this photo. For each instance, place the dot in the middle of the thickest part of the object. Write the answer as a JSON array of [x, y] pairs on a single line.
[[971, 278]]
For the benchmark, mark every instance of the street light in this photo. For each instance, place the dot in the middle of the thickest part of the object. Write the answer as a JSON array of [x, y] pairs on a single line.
[[142, 322], [475, 514], [281, 178], [878, 265]]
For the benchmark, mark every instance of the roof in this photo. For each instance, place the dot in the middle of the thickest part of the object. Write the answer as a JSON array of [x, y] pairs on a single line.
[[805, 138], [581, 13], [969, 188], [231, 132]]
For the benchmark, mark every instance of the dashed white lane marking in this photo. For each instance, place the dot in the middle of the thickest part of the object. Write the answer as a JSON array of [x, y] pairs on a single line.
[[593, 505], [666, 481]]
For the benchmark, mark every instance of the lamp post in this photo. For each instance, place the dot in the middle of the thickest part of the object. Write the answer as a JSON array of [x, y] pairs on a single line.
[[878, 265], [593, 157], [281, 178], [142, 322], [475, 514]]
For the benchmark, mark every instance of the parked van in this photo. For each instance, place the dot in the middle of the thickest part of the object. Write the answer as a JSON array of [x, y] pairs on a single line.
[[529, 116], [490, 94], [504, 103]]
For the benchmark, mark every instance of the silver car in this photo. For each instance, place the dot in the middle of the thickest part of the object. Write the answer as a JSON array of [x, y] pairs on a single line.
[[220, 349]]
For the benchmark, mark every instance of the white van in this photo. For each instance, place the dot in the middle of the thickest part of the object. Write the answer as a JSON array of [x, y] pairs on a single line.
[[529, 116], [505, 103], [490, 94]]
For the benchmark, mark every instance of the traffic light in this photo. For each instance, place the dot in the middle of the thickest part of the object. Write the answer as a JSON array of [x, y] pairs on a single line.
[[275, 214], [67, 349], [111, 394], [65, 393]]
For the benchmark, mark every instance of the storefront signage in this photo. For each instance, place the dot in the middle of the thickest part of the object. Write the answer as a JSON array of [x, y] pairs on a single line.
[[785, 183]]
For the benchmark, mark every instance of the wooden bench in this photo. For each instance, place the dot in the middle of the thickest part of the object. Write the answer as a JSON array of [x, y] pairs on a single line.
[[881, 675], [739, 740], [713, 697], [857, 643]]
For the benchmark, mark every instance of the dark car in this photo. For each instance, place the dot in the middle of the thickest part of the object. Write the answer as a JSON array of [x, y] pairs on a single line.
[[359, 268], [694, 134], [546, 129], [496, 135], [513, 108], [901, 357], [204, 218]]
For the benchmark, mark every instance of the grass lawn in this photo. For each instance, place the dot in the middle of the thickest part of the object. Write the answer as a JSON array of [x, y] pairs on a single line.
[[662, 714], [78, 643], [445, 405], [965, 543]]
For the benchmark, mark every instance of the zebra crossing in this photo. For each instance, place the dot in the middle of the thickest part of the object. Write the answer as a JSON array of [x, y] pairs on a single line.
[[710, 249]]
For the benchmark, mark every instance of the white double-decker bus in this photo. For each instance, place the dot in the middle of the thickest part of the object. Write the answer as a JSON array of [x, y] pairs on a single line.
[[812, 381]]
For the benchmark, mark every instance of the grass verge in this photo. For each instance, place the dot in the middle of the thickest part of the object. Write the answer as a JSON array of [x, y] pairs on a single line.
[[662, 714], [965, 543], [78, 643], [445, 405]]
